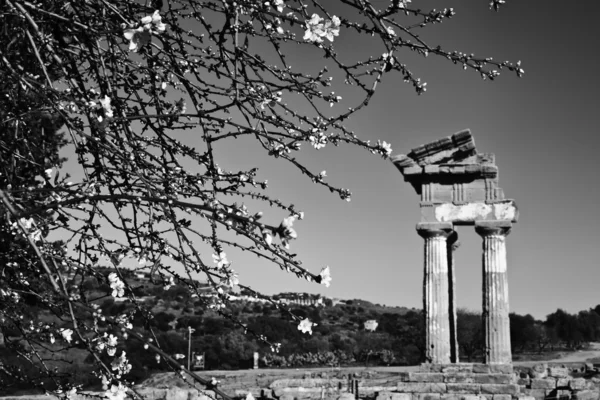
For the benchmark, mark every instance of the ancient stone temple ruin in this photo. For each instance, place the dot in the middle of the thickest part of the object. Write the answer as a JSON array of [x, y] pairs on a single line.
[[459, 186]]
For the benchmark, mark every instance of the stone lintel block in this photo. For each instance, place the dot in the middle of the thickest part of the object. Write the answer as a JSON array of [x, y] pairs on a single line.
[[459, 378], [412, 170], [466, 388], [538, 394], [500, 389], [425, 377], [431, 169], [577, 384], [499, 379], [489, 171], [525, 397], [472, 168], [585, 395], [558, 372], [426, 396], [543, 383], [562, 382], [502, 397], [421, 387], [457, 368], [473, 212]]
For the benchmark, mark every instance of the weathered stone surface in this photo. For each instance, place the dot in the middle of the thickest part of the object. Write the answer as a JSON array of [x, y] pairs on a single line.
[[577, 384], [502, 397], [466, 388], [158, 394], [543, 383], [493, 378], [457, 368], [345, 396], [435, 291], [451, 396], [501, 369], [425, 377], [539, 371], [401, 396], [300, 392], [242, 393], [500, 389], [290, 397], [176, 394], [524, 381], [426, 396], [421, 387], [473, 210], [199, 395], [459, 378], [525, 397], [562, 382], [558, 372], [305, 383], [538, 394], [585, 395], [481, 369]]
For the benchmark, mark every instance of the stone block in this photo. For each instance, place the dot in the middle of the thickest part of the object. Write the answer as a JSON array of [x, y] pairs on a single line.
[[543, 383], [472, 397], [524, 381], [585, 395], [288, 397], [538, 394], [500, 389], [201, 395], [404, 377], [401, 396], [345, 396], [457, 368], [266, 393], [499, 379], [426, 396], [562, 382], [425, 377], [502, 397], [421, 387], [451, 396], [558, 372], [242, 393], [459, 378], [176, 394], [464, 388], [426, 367], [539, 371], [577, 384], [481, 368], [525, 397], [501, 369], [156, 394]]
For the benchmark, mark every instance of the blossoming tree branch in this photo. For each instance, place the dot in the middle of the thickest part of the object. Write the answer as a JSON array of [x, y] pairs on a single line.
[[116, 83]]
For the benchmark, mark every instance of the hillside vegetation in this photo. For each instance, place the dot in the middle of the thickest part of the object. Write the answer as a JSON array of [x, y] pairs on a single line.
[[338, 339]]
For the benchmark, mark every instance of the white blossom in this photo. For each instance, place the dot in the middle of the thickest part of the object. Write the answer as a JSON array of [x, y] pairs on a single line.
[[325, 275], [306, 326]]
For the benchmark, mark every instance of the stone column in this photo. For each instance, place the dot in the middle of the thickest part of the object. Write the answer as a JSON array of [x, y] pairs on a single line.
[[496, 324], [435, 291], [453, 245]]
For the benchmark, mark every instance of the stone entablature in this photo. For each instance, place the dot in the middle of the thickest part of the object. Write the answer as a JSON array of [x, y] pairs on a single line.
[[459, 186]]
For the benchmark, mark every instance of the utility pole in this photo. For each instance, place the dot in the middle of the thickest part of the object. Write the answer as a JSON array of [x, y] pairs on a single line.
[[189, 357]]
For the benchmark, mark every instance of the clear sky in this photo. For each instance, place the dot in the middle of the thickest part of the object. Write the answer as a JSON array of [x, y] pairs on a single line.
[[543, 129]]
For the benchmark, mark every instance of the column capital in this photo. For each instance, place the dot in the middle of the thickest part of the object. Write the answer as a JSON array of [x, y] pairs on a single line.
[[493, 228], [434, 229]]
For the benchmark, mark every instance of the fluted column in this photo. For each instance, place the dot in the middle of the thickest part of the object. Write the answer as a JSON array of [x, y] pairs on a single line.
[[435, 291], [453, 245], [496, 324]]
